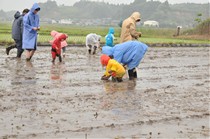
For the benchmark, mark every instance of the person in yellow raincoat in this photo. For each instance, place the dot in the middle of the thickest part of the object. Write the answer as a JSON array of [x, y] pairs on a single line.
[[113, 68], [128, 31]]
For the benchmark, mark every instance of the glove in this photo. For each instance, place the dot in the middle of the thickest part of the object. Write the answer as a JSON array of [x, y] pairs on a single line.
[[113, 74], [104, 77]]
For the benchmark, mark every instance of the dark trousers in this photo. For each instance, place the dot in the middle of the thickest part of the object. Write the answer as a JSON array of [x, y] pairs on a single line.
[[19, 47], [90, 49]]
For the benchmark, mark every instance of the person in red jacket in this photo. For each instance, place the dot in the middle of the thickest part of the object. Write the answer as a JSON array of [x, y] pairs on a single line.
[[64, 44], [56, 47]]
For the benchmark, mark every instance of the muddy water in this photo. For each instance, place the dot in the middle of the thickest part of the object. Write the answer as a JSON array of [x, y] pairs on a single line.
[[41, 100]]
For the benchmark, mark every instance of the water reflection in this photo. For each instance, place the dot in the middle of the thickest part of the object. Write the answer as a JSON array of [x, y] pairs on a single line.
[[121, 99], [21, 93], [125, 86], [92, 60], [57, 70], [20, 72], [16, 72], [30, 73]]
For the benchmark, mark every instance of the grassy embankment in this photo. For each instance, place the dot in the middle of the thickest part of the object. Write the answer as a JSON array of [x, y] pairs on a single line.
[[77, 34]]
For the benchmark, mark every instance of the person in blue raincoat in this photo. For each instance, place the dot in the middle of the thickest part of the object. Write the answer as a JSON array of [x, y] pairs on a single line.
[[30, 28], [110, 37], [129, 53]]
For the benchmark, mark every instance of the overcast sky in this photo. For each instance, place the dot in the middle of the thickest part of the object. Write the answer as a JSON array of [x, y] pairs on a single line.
[[8, 5]]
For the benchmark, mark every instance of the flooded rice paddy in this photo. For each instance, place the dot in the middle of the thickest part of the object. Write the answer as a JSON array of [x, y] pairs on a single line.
[[170, 98]]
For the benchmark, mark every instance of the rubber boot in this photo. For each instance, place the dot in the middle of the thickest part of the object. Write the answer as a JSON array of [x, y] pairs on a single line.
[[9, 48], [27, 59], [119, 79], [89, 51], [94, 51], [53, 61], [131, 74], [19, 53], [60, 59], [134, 73]]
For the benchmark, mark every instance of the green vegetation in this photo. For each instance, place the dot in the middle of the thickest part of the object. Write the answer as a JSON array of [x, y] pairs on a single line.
[[77, 34], [203, 28], [198, 19]]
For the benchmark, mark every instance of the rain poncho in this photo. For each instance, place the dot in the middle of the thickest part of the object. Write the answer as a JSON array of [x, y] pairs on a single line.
[[128, 31], [128, 53], [115, 67], [17, 26], [92, 39], [56, 45], [30, 21], [56, 35], [110, 37]]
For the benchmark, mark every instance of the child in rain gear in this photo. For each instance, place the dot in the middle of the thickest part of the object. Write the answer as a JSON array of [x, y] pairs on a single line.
[[129, 53], [64, 44], [110, 38], [113, 68], [92, 42], [56, 47]]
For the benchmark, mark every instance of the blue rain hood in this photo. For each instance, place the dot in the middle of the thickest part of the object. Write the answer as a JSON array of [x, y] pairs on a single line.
[[129, 53], [34, 7], [111, 30], [107, 50]]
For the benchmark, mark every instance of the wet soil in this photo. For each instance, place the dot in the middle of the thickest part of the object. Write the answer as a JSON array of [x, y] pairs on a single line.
[[170, 98]]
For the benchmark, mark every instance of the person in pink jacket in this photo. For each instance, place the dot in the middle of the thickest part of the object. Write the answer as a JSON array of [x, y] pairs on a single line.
[[64, 44]]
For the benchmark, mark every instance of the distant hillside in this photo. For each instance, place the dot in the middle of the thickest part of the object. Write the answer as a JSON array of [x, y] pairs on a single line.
[[166, 14]]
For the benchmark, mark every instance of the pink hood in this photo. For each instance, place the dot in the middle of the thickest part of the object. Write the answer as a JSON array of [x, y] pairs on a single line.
[[56, 35]]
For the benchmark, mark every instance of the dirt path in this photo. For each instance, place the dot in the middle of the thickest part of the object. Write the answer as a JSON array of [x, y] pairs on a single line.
[[170, 99]]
